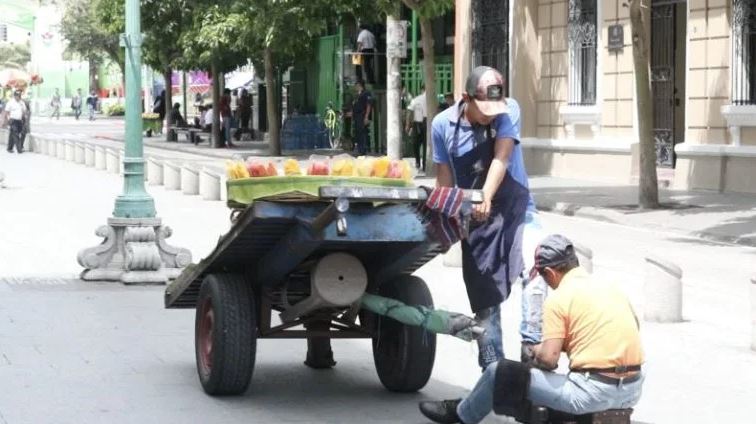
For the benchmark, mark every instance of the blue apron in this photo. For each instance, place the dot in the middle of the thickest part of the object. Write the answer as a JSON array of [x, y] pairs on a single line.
[[487, 250]]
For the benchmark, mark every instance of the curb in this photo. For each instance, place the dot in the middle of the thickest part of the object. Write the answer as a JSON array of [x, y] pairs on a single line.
[[613, 217]]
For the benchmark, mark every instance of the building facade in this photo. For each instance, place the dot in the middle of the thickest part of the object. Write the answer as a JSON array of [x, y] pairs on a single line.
[[570, 66]]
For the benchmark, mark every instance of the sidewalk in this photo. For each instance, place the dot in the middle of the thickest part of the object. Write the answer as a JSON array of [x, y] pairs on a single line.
[[721, 217]]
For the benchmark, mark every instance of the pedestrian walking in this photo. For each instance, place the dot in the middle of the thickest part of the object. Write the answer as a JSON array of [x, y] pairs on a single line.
[[159, 106], [417, 107], [16, 111], [476, 145], [55, 105], [226, 119], [92, 105], [245, 108], [76, 104], [361, 112]]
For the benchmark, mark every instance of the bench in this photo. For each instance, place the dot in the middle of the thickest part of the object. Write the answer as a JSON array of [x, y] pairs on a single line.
[[197, 136], [178, 132]]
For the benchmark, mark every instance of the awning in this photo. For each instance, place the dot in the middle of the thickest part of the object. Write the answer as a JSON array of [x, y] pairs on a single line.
[[239, 79]]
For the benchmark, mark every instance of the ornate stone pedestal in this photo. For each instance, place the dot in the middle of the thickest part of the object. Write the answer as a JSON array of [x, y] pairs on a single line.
[[134, 251]]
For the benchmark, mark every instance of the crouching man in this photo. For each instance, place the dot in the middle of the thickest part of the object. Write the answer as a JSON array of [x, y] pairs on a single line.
[[591, 321]]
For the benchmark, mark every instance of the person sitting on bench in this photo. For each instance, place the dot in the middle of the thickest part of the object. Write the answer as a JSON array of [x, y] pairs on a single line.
[[592, 321], [177, 120]]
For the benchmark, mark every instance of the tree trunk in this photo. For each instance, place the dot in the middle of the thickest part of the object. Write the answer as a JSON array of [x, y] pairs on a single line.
[[274, 122], [93, 85], [217, 142], [393, 89], [167, 75], [640, 18], [431, 102]]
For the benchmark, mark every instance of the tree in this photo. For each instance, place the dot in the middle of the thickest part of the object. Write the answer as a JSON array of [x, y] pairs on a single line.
[[212, 42], [15, 55], [164, 24], [640, 19], [92, 30], [427, 10]]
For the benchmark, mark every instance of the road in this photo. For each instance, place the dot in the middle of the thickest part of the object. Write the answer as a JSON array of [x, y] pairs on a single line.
[[96, 352]]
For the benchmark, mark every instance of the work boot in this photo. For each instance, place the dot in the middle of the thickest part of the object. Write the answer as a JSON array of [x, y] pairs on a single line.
[[443, 412]]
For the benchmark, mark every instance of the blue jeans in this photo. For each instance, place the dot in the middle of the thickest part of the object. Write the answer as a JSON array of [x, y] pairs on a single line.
[[227, 130], [91, 112], [490, 345], [573, 393]]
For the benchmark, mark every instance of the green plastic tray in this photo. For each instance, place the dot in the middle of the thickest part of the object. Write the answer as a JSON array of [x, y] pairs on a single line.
[[243, 192]]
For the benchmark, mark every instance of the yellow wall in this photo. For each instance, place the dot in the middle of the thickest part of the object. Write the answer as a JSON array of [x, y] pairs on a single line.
[[708, 82], [552, 43]]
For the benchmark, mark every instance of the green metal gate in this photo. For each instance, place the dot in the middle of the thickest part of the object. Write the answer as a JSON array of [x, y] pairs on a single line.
[[327, 72]]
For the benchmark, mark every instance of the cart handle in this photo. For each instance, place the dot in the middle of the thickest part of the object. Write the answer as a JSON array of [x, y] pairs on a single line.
[[383, 194]]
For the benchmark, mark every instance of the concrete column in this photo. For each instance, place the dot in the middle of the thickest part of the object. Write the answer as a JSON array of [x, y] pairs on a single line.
[[462, 44], [209, 185], [79, 152], [189, 180], [100, 162], [662, 291], [154, 171], [60, 149], [111, 161], [89, 155], [395, 31], [171, 176], [69, 151]]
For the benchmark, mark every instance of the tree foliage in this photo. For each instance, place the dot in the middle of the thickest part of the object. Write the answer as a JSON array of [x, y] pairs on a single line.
[[89, 28], [15, 55]]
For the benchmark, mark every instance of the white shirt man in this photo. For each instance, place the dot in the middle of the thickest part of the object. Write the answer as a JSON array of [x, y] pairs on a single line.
[[209, 117], [365, 40], [16, 109], [418, 108]]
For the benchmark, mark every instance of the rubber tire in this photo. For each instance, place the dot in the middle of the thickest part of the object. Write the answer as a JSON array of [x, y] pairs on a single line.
[[404, 355], [234, 334]]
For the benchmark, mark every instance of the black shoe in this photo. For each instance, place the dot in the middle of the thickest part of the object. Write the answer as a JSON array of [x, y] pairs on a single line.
[[443, 412]]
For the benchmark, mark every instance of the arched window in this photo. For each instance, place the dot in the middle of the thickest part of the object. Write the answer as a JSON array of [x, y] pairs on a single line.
[[744, 52], [582, 38]]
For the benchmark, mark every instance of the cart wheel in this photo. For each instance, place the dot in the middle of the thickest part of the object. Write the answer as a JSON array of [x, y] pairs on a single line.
[[403, 354], [225, 334]]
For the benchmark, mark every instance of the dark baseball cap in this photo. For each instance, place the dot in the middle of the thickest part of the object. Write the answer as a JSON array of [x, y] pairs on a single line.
[[552, 251], [485, 86]]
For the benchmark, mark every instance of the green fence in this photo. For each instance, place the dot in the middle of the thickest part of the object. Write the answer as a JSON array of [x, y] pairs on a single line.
[[412, 77]]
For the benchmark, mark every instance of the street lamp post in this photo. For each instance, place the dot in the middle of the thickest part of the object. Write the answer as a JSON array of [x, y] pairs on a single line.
[[134, 249]]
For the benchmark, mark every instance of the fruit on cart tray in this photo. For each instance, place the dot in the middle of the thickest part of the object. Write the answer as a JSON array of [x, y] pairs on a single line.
[[257, 168], [343, 166], [318, 168], [381, 167], [291, 167], [235, 170]]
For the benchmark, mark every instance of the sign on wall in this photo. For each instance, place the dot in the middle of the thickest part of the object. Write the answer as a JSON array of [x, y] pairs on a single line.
[[616, 38]]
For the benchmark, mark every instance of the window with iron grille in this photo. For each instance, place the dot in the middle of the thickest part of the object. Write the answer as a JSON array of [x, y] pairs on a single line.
[[582, 36], [490, 37], [744, 52]]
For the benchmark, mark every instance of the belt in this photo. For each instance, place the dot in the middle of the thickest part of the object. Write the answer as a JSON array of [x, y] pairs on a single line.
[[612, 380], [621, 369]]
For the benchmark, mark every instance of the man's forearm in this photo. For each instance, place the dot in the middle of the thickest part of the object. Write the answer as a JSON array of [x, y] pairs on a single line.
[[538, 362], [495, 176]]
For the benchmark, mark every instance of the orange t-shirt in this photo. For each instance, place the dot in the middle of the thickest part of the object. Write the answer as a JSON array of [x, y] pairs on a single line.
[[596, 321]]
